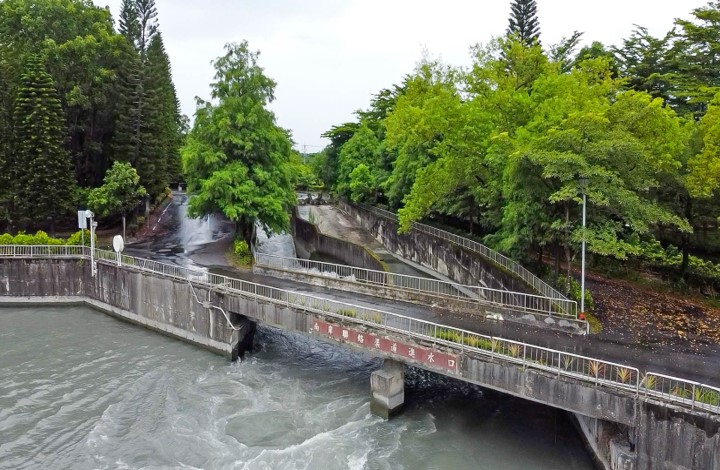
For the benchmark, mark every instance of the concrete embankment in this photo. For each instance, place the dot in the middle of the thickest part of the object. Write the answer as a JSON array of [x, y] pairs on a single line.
[[142, 298]]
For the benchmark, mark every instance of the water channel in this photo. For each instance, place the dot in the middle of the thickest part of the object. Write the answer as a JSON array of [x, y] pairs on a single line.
[[82, 390]]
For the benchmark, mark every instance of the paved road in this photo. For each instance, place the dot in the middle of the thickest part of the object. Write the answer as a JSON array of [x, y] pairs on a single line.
[[684, 364]]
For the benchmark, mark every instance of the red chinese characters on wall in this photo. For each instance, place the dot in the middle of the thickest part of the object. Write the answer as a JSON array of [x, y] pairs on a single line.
[[428, 356]]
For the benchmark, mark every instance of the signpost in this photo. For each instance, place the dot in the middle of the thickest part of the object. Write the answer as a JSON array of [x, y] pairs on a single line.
[[82, 225], [118, 246]]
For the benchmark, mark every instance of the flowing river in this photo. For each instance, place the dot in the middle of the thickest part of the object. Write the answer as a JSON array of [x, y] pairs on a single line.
[[79, 390]]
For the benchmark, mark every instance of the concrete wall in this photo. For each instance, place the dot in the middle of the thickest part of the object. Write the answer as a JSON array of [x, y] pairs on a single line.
[[477, 309], [668, 438], [541, 387], [138, 297], [309, 240], [460, 265]]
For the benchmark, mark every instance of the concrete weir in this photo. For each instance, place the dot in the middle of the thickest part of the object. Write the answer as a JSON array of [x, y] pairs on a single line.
[[160, 304]]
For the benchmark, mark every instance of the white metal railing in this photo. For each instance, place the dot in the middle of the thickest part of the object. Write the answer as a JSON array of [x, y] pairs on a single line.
[[433, 287], [624, 378], [692, 394], [516, 268]]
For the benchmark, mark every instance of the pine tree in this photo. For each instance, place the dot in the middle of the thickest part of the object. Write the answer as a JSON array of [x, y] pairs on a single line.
[[41, 168], [129, 22], [5, 133], [523, 21], [163, 115]]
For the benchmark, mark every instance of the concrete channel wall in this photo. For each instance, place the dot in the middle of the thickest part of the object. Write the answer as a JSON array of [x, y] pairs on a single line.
[[452, 261], [142, 298], [309, 240], [629, 432]]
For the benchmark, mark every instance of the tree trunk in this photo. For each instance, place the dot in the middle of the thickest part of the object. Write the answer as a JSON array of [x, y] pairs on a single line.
[[123, 219], [686, 239]]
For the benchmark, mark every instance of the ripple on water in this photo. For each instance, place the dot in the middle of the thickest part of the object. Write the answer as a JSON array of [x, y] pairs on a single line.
[[93, 392]]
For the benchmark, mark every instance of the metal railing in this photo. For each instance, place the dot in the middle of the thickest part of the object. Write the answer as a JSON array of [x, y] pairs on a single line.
[[688, 393], [432, 287], [540, 286], [624, 378]]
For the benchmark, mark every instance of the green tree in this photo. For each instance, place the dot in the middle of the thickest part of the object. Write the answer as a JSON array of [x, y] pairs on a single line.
[[120, 193], [362, 148], [41, 170], [696, 54], [236, 157], [523, 22], [362, 184]]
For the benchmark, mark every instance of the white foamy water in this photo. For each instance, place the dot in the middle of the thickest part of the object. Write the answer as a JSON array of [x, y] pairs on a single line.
[[279, 244], [82, 390]]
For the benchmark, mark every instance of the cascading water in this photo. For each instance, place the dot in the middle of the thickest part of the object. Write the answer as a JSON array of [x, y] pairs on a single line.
[[279, 244]]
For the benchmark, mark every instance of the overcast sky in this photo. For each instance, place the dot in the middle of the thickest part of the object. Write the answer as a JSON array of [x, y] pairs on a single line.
[[329, 57]]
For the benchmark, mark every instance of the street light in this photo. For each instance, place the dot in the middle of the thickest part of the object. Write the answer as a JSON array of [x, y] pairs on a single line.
[[93, 224], [583, 185]]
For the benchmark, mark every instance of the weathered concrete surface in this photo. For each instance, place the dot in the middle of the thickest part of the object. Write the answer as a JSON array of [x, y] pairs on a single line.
[[460, 265], [309, 240], [609, 442], [534, 385], [673, 439], [138, 297], [464, 306], [387, 389]]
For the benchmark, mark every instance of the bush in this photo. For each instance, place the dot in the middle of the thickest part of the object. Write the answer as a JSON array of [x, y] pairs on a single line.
[[574, 293], [76, 238], [241, 250], [42, 238]]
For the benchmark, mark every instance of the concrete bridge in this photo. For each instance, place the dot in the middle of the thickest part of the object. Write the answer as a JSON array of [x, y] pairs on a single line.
[[635, 417]]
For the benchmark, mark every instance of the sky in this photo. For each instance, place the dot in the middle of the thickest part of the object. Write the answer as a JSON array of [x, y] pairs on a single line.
[[329, 57]]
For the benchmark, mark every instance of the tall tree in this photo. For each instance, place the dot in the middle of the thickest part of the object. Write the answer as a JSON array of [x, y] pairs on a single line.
[[41, 168], [523, 22], [236, 157]]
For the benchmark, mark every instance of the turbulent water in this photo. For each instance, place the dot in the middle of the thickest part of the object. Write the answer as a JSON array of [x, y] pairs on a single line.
[[82, 390]]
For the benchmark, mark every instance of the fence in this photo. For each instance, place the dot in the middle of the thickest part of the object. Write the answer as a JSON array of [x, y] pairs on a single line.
[[516, 268], [624, 378], [433, 287]]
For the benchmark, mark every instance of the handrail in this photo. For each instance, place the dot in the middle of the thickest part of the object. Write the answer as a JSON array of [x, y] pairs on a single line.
[[501, 260], [434, 287], [624, 378]]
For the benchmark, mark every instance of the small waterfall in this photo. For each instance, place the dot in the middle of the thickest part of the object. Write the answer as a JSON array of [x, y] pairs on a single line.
[[279, 244]]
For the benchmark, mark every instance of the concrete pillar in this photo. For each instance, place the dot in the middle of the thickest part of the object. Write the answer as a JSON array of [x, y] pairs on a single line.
[[387, 389]]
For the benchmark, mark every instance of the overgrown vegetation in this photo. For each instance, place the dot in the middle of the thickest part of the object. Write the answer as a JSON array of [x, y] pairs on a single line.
[[242, 252]]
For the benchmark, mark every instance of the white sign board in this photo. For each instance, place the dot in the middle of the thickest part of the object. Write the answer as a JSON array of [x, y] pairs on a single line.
[[118, 243], [82, 220]]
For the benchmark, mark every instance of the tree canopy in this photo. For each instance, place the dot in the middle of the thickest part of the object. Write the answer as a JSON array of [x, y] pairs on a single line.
[[501, 148], [236, 159], [117, 101]]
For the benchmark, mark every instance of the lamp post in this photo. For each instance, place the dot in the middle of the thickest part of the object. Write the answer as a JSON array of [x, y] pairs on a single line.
[[583, 185], [93, 224]]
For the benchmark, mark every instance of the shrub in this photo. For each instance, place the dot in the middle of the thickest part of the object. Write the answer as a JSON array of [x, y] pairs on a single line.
[[242, 253], [76, 238], [574, 293]]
